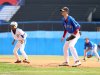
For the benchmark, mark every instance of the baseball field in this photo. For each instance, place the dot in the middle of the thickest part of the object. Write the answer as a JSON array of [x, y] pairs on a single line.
[[47, 65]]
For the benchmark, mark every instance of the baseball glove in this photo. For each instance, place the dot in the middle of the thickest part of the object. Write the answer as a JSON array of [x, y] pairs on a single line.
[[70, 38], [89, 56]]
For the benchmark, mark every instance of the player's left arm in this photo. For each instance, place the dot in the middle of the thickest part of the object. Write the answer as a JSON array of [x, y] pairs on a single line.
[[76, 25], [22, 35], [77, 28]]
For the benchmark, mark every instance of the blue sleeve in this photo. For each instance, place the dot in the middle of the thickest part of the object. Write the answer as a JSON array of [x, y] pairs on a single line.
[[84, 46], [64, 23], [74, 23]]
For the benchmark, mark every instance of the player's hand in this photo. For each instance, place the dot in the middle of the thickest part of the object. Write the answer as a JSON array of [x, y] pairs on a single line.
[[21, 41], [13, 43], [89, 48], [62, 39]]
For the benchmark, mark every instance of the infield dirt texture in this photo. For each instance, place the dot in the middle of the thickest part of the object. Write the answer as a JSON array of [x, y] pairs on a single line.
[[47, 65]]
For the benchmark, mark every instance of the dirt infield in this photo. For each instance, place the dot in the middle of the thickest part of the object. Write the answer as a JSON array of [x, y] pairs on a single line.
[[50, 61]]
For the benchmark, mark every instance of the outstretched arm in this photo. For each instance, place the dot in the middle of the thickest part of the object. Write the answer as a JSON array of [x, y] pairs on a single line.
[[85, 51], [64, 34]]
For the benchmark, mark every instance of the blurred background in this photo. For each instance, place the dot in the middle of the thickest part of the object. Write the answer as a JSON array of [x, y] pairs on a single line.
[[41, 20]]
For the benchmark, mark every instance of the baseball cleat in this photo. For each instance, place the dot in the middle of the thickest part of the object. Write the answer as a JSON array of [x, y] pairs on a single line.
[[98, 60], [18, 61], [64, 64], [26, 61], [84, 60], [77, 63]]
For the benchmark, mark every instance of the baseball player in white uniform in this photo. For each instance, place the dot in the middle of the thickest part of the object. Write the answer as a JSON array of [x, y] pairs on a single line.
[[20, 36]]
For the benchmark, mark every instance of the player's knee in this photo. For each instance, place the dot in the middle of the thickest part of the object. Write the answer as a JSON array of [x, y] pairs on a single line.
[[22, 51], [14, 51], [95, 51], [71, 47], [65, 47]]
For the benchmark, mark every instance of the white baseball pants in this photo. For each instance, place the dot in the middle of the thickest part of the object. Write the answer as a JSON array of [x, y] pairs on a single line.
[[95, 51], [70, 45], [21, 47]]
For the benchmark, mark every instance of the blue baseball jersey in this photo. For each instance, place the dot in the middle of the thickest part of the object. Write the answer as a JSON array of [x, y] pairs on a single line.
[[89, 45], [70, 24]]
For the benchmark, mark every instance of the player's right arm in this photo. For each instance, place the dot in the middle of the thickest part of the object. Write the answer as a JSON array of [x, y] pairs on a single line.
[[86, 49], [64, 34], [13, 42], [65, 31]]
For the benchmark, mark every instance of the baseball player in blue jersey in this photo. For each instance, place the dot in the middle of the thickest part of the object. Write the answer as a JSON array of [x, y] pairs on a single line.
[[90, 46], [70, 26]]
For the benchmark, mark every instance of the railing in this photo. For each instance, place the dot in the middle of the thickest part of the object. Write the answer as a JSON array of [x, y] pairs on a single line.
[[49, 26], [44, 22]]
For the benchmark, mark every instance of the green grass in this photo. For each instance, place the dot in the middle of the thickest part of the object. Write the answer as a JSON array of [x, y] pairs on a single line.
[[15, 69]]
